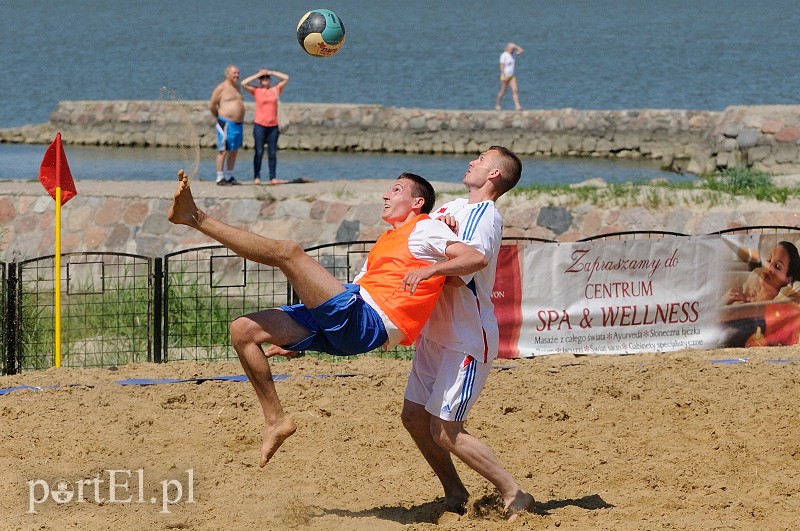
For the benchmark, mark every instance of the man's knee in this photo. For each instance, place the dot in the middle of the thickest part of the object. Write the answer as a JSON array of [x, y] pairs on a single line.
[[241, 330], [413, 416], [445, 432]]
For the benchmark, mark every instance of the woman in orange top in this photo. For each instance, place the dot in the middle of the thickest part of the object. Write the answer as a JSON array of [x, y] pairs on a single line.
[[265, 123]]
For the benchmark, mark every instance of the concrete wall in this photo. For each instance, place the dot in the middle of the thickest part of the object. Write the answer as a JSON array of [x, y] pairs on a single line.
[[762, 137], [130, 217]]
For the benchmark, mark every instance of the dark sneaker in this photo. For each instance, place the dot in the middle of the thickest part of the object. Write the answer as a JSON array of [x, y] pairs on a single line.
[[223, 183], [232, 182]]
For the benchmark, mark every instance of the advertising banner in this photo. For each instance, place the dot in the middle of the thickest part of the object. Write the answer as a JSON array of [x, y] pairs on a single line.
[[647, 295]]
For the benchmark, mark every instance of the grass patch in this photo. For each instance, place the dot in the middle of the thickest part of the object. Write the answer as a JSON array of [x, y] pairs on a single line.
[[721, 188]]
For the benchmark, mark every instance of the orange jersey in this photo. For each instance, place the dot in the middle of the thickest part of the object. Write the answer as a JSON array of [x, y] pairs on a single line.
[[387, 264]]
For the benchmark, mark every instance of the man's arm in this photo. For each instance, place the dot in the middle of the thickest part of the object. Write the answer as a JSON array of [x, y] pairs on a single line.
[[213, 104], [462, 260]]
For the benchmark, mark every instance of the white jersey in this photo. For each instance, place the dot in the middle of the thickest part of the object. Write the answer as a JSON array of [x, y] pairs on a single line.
[[428, 241], [508, 62], [463, 318]]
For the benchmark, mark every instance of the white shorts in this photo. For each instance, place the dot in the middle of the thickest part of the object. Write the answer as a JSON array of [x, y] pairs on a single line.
[[446, 382]]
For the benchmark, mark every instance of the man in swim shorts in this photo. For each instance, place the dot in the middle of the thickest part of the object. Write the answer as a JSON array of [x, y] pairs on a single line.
[[388, 303], [227, 108]]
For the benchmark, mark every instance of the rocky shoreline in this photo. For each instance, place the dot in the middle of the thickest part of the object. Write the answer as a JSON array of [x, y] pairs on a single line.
[[763, 137]]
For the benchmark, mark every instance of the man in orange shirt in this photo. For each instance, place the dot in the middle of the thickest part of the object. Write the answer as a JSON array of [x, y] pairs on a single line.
[[265, 124], [401, 282]]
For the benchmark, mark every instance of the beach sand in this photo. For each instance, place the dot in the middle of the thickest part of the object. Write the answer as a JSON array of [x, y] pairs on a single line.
[[688, 440]]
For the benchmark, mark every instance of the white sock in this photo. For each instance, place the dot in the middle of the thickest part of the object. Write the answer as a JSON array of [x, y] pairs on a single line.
[[228, 175], [220, 176]]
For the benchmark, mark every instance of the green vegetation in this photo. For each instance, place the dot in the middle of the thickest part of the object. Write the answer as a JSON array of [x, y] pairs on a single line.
[[723, 188], [97, 329]]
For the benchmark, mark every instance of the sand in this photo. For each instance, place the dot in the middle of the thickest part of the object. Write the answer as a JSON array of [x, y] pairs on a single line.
[[648, 441]]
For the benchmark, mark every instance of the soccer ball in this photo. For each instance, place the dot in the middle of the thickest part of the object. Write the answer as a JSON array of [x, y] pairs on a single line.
[[320, 33]]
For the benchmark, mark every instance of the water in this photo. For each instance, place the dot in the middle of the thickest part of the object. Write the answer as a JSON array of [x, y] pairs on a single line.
[[587, 55], [21, 162]]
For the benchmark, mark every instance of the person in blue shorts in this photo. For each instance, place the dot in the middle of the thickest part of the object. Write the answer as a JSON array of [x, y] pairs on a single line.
[[387, 304], [227, 108]]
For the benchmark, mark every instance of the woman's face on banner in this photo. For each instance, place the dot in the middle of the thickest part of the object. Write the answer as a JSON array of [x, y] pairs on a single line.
[[774, 273]]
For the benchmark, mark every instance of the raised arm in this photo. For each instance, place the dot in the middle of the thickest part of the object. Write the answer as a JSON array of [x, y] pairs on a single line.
[[249, 79], [284, 78]]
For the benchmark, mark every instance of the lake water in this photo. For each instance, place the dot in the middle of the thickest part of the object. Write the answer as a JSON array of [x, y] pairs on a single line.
[[21, 162], [588, 55]]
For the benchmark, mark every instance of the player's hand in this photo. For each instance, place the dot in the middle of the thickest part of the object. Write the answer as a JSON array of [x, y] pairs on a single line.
[[412, 279], [275, 350], [450, 221]]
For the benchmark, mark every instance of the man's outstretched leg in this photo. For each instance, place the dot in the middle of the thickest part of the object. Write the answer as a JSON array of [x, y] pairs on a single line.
[[313, 283]]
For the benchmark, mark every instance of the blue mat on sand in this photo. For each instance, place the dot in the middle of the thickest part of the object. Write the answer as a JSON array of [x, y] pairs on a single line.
[[734, 361], [23, 387], [163, 381]]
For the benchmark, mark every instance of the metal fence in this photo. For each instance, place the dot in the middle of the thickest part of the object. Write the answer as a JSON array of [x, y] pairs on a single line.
[[106, 311], [120, 308]]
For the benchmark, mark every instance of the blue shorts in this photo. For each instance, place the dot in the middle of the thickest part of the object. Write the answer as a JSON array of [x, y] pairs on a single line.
[[344, 325], [229, 135]]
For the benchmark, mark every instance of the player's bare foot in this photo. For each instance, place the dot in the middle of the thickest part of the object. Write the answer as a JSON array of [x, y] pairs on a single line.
[[183, 210], [522, 502], [273, 438], [456, 504]]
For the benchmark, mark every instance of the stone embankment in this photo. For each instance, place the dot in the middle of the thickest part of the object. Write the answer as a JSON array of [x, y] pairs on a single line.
[[130, 217], [765, 137]]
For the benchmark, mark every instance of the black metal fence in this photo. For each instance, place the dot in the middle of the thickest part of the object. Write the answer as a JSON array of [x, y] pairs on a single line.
[[120, 308]]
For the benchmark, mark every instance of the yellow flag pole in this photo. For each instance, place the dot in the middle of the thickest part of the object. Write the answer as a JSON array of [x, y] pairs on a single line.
[[57, 277]]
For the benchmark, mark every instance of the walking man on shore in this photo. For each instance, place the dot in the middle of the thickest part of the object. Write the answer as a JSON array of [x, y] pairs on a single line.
[[507, 76], [227, 108], [456, 348]]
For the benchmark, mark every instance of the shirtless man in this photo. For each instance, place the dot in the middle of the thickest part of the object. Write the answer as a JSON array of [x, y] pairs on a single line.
[[227, 107]]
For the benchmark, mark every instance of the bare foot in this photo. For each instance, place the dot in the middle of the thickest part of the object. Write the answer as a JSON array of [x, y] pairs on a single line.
[[457, 503], [277, 181], [183, 210], [522, 502], [273, 438]]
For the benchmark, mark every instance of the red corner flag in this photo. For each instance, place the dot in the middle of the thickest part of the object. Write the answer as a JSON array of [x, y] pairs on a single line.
[[54, 172]]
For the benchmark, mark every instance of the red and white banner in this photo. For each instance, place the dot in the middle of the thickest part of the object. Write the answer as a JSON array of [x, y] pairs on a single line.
[[655, 295]]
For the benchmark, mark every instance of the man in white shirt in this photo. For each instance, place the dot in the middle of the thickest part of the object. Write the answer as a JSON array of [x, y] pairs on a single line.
[[457, 346], [507, 77]]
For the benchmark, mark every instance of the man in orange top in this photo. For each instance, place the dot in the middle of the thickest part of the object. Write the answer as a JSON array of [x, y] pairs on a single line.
[[401, 281]]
